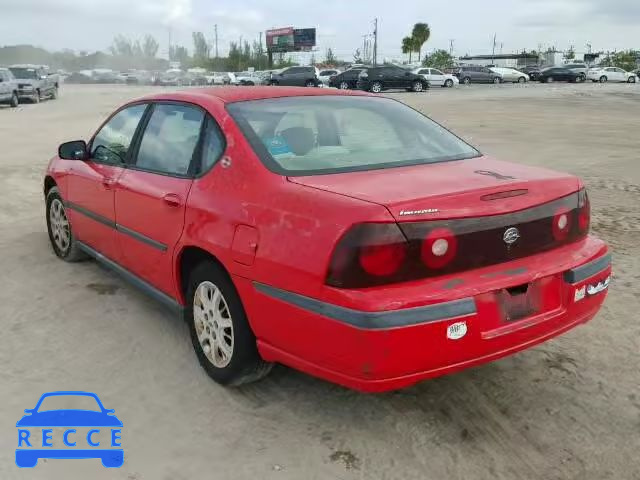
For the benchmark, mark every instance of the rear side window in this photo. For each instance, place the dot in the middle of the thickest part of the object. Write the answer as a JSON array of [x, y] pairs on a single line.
[[111, 144], [170, 139], [213, 145]]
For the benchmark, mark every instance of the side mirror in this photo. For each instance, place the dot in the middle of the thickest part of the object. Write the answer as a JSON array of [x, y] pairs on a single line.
[[76, 150], [28, 410]]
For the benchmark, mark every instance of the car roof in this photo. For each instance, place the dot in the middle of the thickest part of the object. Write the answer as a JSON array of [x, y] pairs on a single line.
[[235, 94]]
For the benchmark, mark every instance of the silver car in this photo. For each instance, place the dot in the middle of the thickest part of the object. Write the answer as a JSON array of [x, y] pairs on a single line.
[[8, 88], [511, 74]]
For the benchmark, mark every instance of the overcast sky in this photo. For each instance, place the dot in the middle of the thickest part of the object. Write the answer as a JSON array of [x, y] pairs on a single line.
[[91, 24]]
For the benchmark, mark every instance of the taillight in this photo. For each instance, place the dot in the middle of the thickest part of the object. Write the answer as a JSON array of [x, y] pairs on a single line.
[[439, 248], [561, 224], [584, 211], [372, 254], [368, 254]]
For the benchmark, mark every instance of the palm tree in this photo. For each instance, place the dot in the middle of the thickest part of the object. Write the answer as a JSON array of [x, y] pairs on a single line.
[[420, 34], [407, 46]]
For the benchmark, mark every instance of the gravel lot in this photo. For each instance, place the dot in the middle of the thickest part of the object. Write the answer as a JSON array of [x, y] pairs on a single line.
[[567, 409]]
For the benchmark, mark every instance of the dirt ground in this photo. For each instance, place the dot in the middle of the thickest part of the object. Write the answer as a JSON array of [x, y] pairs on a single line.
[[568, 409]]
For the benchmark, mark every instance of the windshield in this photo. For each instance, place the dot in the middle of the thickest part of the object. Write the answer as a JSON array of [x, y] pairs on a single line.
[[330, 134], [24, 72], [69, 402]]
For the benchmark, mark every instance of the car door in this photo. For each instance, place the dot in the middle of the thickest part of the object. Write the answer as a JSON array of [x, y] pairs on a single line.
[[486, 75], [619, 75], [151, 194], [5, 86], [436, 77], [91, 183]]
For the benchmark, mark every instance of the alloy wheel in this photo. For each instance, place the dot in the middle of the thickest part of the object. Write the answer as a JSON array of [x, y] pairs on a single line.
[[344, 86], [213, 324], [376, 87], [59, 225]]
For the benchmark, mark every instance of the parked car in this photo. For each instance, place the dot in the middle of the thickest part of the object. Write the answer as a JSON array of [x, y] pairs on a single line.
[[533, 71], [79, 77], [437, 78], [377, 79], [8, 88], [477, 74], [578, 67], [510, 74], [249, 78], [345, 80], [325, 75], [219, 78], [611, 74], [366, 213], [560, 74], [34, 83], [296, 77]]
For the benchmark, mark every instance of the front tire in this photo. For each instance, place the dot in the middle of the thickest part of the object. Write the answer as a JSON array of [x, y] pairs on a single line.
[[54, 93], [36, 97], [448, 83], [15, 101], [310, 83], [466, 81], [220, 333], [376, 87], [344, 86], [63, 242], [549, 80], [496, 80], [632, 80], [522, 80], [603, 79]]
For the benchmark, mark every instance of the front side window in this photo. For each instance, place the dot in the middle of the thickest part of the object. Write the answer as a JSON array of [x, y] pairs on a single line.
[[170, 139], [436, 72], [313, 135], [111, 144]]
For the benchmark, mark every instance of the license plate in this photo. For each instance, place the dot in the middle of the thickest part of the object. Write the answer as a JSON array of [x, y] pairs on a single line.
[[519, 302]]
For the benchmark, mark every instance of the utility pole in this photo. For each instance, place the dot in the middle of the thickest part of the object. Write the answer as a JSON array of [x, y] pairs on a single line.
[[240, 53], [169, 43], [451, 46], [215, 29], [375, 41], [259, 52], [493, 52]]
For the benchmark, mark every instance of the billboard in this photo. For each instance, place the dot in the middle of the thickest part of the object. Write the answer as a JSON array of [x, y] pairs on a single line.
[[280, 39], [290, 39]]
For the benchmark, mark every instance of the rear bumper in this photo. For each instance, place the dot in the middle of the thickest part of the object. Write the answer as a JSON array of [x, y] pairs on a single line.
[[384, 349]]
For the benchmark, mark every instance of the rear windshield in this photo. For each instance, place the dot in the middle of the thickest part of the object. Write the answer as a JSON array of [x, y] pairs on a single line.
[[331, 134]]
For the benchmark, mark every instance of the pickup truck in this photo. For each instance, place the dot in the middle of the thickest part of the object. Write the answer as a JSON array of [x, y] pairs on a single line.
[[8, 88], [34, 83]]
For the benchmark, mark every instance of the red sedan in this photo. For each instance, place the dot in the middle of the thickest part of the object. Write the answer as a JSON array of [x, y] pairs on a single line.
[[342, 234]]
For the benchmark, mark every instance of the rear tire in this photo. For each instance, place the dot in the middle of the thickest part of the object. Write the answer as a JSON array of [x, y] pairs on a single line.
[[549, 80], [220, 333], [344, 86], [63, 242], [310, 83], [496, 80], [54, 93], [417, 87], [15, 101]]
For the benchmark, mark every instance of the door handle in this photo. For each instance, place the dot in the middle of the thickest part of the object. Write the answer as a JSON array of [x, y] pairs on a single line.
[[172, 200], [108, 183]]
